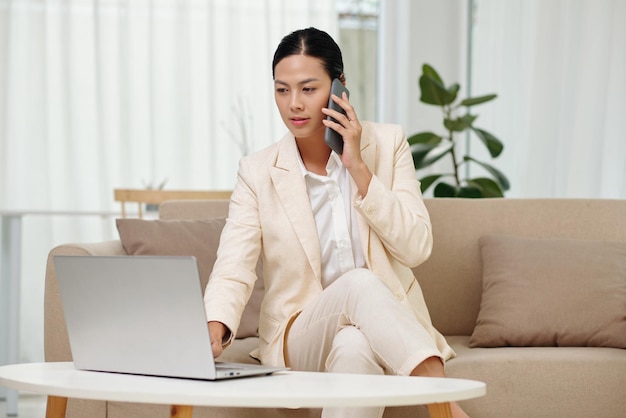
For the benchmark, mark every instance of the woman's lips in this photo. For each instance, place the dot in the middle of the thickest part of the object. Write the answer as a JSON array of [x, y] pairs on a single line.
[[299, 121]]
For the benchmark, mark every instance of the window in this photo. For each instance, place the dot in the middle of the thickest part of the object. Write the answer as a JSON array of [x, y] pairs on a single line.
[[358, 35]]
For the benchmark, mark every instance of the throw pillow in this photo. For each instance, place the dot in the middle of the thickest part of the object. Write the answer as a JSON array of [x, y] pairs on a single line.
[[551, 292], [198, 238]]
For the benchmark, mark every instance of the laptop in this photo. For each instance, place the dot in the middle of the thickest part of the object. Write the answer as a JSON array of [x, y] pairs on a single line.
[[140, 315]]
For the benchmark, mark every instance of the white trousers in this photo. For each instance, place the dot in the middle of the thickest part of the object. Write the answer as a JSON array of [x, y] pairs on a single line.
[[358, 326]]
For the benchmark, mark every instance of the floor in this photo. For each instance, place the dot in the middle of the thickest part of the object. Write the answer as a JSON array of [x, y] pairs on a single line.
[[29, 406]]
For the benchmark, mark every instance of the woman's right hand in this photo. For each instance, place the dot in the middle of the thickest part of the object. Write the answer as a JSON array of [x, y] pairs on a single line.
[[217, 330]]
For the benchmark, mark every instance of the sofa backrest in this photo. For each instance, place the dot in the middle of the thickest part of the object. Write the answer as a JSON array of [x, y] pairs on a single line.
[[452, 278]]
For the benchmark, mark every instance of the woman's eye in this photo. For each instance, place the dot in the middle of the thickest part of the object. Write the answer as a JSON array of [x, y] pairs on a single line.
[[308, 89], [281, 90]]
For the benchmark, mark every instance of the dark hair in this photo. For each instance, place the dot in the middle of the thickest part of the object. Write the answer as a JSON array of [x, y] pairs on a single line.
[[314, 43]]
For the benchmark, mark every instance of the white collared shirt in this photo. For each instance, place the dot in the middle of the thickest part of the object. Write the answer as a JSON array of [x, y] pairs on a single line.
[[335, 218]]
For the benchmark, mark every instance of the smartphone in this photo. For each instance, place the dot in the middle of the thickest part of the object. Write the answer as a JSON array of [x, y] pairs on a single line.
[[331, 137]]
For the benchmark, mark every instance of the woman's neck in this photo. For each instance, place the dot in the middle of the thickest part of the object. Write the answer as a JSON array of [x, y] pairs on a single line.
[[314, 155]]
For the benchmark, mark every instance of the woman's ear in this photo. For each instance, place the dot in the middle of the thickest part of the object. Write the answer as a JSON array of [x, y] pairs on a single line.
[[342, 78]]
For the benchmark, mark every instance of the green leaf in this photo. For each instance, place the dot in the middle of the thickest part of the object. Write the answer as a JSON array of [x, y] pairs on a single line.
[[433, 92], [487, 186], [445, 190], [421, 144], [478, 100], [419, 152], [433, 157], [500, 177], [471, 192], [424, 138], [428, 181], [453, 91], [433, 89], [493, 144], [469, 118], [459, 124], [429, 71]]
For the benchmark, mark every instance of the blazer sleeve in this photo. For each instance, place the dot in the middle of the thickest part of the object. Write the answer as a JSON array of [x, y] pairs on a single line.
[[393, 207], [234, 273]]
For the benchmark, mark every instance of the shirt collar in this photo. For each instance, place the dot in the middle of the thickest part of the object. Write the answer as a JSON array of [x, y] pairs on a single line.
[[334, 163]]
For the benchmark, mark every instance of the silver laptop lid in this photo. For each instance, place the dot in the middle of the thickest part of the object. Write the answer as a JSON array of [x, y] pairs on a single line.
[[136, 314]]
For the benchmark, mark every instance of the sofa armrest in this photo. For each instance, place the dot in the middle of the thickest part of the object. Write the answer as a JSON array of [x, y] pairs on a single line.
[[56, 342]]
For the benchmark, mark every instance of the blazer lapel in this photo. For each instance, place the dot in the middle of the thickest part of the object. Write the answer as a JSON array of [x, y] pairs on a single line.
[[291, 189]]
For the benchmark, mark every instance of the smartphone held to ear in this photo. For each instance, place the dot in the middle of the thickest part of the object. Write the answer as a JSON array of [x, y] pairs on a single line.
[[332, 137]]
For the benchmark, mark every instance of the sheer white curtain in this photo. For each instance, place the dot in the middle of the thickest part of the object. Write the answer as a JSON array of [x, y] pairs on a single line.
[[559, 68], [111, 93], [98, 94]]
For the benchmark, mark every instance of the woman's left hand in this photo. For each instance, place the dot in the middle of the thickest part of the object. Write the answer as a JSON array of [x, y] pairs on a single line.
[[348, 127]]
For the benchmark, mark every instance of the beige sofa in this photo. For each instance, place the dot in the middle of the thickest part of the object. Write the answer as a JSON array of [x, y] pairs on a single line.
[[575, 248]]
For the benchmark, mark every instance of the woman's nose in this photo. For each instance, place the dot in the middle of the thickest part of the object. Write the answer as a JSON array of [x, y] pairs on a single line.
[[295, 102]]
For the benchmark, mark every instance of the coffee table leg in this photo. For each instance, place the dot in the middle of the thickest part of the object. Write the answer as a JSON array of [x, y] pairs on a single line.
[[55, 407], [440, 410], [181, 411]]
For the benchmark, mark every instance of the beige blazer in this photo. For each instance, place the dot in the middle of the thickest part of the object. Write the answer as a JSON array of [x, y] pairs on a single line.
[[270, 216]]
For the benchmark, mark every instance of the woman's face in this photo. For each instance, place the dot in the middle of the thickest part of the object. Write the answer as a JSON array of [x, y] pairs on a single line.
[[301, 90]]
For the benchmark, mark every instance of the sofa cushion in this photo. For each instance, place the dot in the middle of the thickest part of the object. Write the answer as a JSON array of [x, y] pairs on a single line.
[[198, 238], [551, 292], [542, 381]]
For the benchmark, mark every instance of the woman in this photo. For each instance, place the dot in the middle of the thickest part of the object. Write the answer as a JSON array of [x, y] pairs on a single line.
[[338, 235]]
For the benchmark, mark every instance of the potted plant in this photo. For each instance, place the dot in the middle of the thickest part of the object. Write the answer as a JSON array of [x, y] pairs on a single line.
[[429, 147]]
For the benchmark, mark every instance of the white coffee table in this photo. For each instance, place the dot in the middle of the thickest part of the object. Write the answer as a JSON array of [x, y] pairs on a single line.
[[282, 390]]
